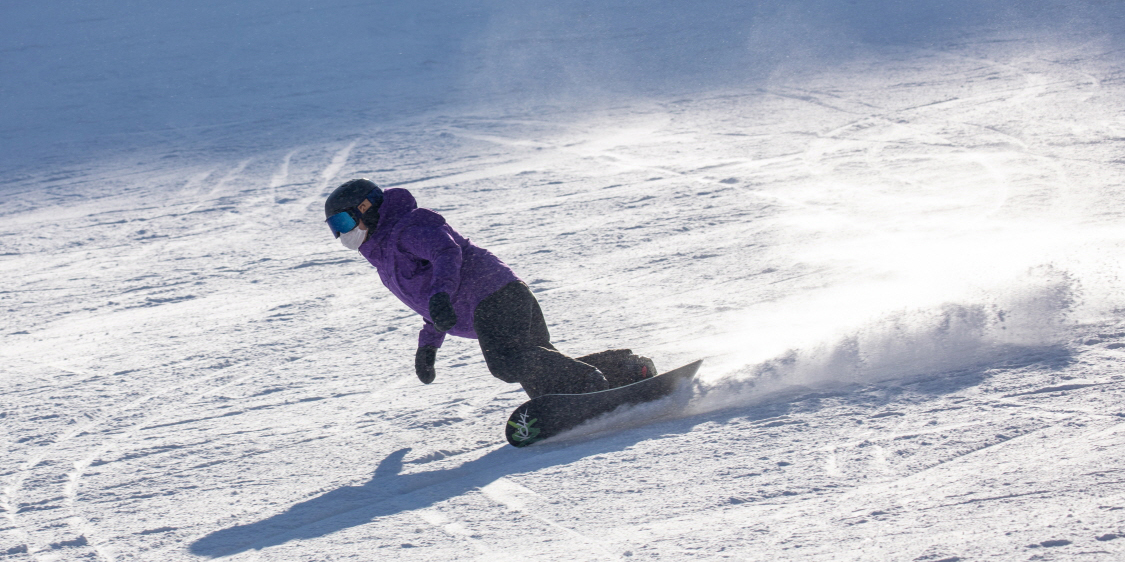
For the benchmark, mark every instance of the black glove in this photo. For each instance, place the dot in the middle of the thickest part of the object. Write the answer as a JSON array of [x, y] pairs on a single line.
[[424, 363], [441, 312]]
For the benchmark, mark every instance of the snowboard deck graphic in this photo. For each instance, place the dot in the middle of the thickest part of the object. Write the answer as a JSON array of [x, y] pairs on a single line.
[[551, 414]]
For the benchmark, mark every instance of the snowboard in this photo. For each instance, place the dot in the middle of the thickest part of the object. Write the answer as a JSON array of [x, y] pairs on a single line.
[[551, 414]]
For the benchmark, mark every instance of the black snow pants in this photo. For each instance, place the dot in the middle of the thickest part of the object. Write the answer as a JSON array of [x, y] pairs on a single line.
[[517, 347]]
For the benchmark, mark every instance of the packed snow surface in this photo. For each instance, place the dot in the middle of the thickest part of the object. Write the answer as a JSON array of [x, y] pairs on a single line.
[[893, 231]]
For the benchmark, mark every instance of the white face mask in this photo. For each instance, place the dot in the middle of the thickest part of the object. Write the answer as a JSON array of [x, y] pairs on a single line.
[[353, 238]]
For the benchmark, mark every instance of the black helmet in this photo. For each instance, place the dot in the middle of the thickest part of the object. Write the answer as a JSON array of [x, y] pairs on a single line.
[[349, 195], [346, 199]]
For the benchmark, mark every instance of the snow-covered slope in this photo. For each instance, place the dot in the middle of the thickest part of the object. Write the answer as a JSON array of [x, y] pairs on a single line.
[[893, 233]]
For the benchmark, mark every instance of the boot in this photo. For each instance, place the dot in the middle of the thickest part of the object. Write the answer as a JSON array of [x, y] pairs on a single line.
[[596, 381], [621, 366]]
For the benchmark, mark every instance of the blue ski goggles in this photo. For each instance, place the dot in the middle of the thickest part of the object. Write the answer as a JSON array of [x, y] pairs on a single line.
[[342, 222]]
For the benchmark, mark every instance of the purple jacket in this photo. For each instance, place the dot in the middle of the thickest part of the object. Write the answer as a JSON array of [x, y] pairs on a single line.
[[418, 256]]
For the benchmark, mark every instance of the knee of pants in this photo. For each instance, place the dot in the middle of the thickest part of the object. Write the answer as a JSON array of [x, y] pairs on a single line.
[[504, 367]]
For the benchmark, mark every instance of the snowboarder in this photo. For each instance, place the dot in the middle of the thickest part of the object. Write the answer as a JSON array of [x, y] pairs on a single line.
[[464, 290]]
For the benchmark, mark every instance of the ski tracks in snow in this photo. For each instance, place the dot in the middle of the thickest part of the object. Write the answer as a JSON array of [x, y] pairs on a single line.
[[112, 416], [114, 428], [163, 455], [515, 498]]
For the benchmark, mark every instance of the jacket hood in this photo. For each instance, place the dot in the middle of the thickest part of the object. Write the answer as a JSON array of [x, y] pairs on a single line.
[[397, 203]]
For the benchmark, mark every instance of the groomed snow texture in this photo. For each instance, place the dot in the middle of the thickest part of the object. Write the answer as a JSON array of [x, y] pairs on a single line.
[[893, 231]]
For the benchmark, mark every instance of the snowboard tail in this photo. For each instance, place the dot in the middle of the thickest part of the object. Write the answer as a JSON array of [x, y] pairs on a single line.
[[551, 414]]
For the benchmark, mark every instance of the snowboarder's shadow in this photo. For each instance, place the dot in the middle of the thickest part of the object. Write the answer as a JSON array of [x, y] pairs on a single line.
[[387, 493]]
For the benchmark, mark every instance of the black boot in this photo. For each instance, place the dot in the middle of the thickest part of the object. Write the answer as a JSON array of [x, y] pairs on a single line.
[[621, 366], [596, 381]]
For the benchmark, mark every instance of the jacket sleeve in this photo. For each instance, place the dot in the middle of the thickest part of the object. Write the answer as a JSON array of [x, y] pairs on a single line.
[[434, 244], [430, 336]]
